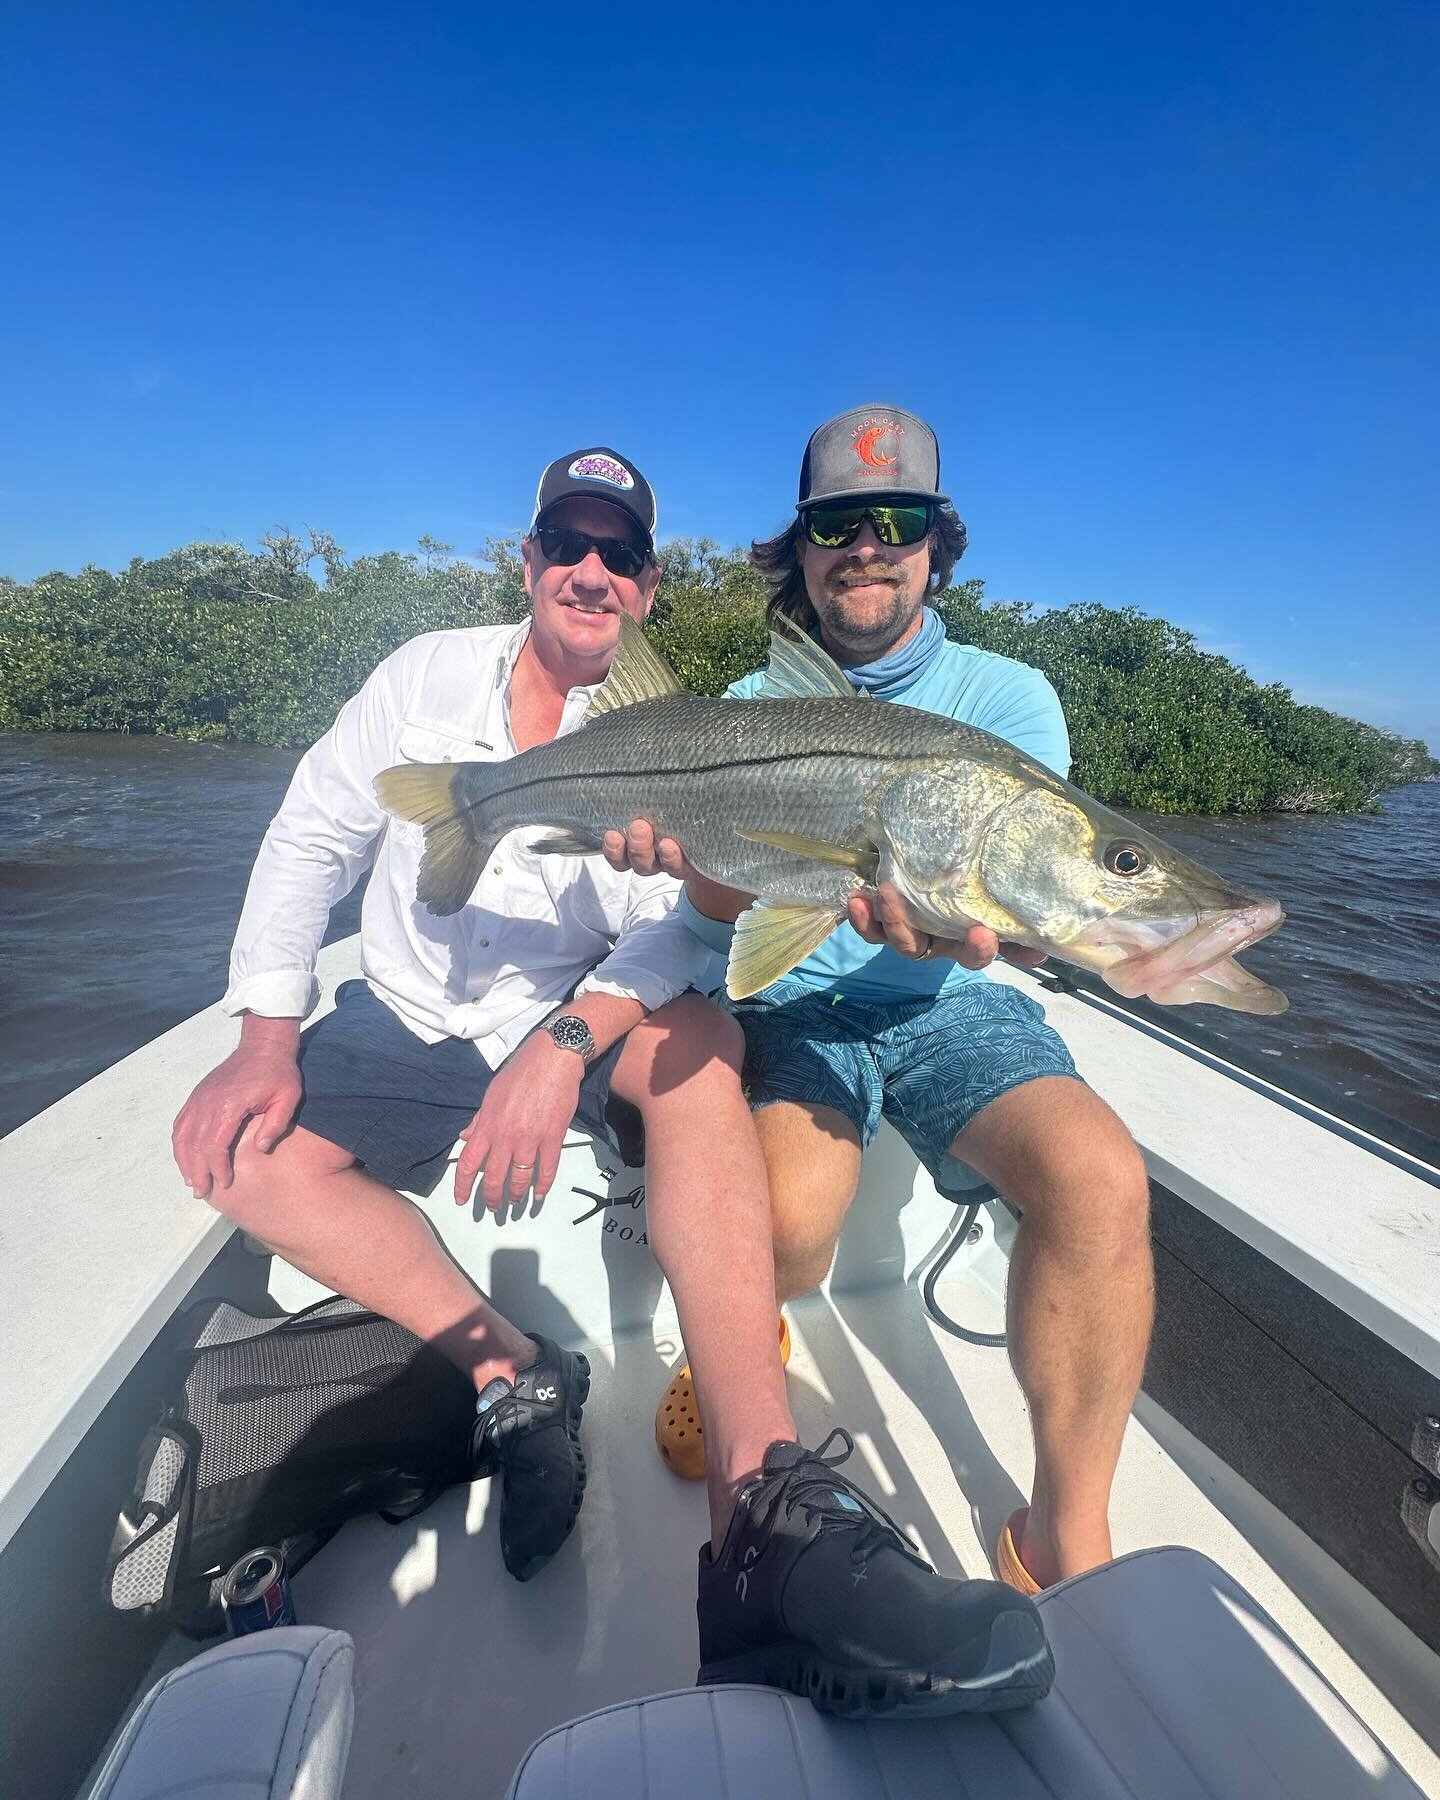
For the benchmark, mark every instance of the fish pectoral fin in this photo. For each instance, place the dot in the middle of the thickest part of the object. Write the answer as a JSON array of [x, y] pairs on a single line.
[[566, 843], [770, 938], [639, 672], [800, 670], [863, 859]]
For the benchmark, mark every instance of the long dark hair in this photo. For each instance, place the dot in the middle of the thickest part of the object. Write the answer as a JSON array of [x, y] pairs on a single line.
[[778, 560]]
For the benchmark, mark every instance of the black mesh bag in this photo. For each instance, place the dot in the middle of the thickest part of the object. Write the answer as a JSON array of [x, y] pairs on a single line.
[[283, 1428]]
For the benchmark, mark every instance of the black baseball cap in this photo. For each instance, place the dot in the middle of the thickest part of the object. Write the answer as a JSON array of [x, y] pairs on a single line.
[[868, 453], [598, 474]]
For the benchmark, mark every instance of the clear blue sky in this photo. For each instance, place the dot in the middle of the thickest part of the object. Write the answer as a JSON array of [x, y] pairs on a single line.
[[1164, 279]]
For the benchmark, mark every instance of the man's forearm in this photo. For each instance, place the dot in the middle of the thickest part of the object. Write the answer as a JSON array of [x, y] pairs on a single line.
[[714, 901], [259, 1033], [609, 1016]]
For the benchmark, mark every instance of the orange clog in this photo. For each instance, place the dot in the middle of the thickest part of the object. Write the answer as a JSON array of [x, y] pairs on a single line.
[[679, 1436], [1008, 1565]]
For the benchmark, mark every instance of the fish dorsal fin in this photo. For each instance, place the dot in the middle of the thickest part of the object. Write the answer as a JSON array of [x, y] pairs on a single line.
[[863, 859], [639, 672], [770, 938], [800, 670]]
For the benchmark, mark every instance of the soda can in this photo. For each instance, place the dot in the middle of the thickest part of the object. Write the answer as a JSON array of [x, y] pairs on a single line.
[[256, 1593]]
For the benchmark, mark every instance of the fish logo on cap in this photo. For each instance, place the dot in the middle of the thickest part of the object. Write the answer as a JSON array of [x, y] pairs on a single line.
[[601, 468], [869, 439]]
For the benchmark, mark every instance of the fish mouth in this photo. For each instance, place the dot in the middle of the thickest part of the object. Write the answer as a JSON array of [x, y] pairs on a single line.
[[1196, 965]]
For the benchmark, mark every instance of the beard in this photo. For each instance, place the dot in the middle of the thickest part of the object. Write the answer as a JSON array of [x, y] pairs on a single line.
[[866, 627]]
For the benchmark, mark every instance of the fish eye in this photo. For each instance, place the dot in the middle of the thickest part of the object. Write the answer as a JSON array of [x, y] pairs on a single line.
[[1125, 859]]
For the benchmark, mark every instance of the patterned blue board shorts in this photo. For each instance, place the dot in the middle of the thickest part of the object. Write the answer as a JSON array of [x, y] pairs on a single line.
[[929, 1066]]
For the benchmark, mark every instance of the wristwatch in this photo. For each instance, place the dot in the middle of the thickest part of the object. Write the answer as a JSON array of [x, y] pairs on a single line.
[[571, 1032]]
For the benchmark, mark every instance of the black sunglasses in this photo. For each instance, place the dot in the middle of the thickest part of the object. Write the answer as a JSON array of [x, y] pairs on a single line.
[[833, 527], [621, 556]]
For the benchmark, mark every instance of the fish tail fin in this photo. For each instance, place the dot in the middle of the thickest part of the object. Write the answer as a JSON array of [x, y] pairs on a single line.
[[447, 799]]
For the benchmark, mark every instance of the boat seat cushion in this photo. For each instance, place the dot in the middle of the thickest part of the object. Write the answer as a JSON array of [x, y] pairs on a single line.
[[1171, 1684], [264, 1717]]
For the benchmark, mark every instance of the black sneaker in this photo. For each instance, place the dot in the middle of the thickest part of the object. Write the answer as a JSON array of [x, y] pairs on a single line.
[[816, 1590], [530, 1432]]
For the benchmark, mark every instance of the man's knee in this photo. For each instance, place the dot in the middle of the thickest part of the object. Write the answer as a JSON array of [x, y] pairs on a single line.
[[804, 1249], [263, 1179], [689, 1043], [1117, 1187], [700, 1024], [1093, 1187], [806, 1218], [812, 1158], [1072, 1166]]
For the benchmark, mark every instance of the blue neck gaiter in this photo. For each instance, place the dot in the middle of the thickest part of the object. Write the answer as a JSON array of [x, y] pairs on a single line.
[[890, 675]]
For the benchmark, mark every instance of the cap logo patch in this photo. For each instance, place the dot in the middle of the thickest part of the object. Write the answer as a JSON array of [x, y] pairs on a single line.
[[601, 468], [877, 442]]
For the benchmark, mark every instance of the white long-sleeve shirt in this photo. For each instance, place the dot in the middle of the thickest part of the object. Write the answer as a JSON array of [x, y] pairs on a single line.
[[534, 927]]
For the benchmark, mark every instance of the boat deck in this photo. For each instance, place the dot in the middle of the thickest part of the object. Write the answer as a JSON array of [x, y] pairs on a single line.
[[459, 1667]]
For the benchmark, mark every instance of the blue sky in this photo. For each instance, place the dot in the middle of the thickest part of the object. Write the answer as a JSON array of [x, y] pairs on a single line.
[[1163, 279]]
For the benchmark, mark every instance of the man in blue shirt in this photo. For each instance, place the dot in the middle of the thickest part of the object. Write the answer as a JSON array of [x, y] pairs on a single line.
[[885, 1021]]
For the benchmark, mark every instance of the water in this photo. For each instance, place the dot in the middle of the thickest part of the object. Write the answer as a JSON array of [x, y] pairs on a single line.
[[123, 864], [1358, 955]]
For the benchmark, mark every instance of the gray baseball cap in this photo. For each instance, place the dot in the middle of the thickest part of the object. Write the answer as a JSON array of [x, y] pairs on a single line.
[[869, 453]]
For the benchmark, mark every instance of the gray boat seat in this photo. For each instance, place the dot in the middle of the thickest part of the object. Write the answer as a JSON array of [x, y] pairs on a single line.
[[1171, 1684], [264, 1717]]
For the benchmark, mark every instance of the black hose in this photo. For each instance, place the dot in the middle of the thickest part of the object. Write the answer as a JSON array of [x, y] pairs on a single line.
[[988, 1340]]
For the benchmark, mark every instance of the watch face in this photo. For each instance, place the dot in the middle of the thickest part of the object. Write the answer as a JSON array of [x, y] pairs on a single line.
[[571, 1033]]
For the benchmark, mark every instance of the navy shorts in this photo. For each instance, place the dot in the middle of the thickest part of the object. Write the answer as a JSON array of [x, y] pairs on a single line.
[[929, 1066], [398, 1104]]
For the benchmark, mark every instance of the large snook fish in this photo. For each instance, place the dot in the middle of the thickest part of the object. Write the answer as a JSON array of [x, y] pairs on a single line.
[[810, 792]]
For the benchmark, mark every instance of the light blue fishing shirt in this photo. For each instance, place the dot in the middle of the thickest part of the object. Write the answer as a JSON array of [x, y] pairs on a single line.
[[1000, 695]]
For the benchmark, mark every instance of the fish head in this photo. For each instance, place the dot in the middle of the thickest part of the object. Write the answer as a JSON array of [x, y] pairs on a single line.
[[1059, 871]]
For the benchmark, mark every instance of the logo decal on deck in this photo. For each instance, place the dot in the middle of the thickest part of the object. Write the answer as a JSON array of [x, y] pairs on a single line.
[[609, 1203]]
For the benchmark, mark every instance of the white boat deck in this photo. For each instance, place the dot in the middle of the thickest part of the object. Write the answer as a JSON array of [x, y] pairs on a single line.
[[95, 1221], [458, 1667]]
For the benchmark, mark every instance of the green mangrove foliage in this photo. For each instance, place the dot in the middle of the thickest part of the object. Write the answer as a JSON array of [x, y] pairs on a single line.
[[218, 642]]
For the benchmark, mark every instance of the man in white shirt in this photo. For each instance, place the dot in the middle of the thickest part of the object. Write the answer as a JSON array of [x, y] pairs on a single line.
[[552, 995]]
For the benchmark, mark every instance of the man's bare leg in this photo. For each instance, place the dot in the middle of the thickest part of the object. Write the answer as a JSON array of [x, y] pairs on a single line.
[[310, 1202], [708, 1212], [812, 1159], [1080, 1302]]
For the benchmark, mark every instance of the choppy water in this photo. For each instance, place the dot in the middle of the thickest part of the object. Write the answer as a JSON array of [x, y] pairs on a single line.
[[1358, 955], [123, 864]]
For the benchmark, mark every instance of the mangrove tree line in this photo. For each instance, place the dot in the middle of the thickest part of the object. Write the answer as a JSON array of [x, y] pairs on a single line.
[[216, 641]]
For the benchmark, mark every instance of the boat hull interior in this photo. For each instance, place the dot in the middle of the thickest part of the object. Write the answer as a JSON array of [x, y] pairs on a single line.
[[1277, 1432]]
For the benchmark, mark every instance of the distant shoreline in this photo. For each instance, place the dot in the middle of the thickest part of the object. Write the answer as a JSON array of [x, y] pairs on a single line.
[[215, 643]]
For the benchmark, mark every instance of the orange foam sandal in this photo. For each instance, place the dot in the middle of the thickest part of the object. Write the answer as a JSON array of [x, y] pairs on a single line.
[[1008, 1565], [679, 1437]]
